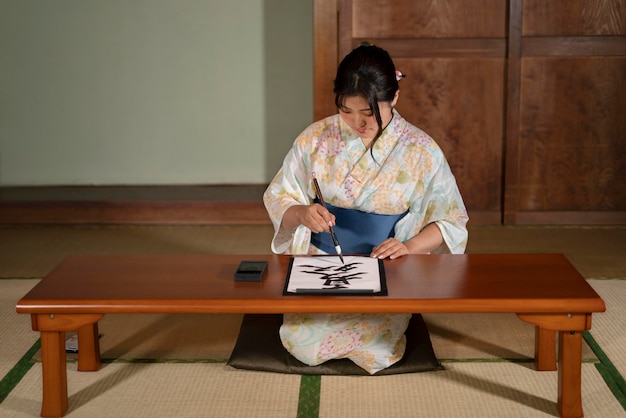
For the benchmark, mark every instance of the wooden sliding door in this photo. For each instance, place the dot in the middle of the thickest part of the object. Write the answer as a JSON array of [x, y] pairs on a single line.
[[567, 158]]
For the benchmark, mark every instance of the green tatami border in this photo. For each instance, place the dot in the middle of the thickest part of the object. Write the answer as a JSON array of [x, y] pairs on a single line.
[[612, 377], [15, 375], [309, 398]]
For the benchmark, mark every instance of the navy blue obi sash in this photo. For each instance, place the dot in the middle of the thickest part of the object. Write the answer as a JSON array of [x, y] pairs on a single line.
[[357, 232]]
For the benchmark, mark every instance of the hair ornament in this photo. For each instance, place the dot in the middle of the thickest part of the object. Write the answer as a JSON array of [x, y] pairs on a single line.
[[399, 75]]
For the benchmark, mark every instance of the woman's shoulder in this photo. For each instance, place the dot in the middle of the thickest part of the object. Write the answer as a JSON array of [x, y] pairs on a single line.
[[413, 136], [329, 123], [322, 129]]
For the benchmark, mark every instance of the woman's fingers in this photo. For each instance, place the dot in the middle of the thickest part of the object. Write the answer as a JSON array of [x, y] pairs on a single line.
[[317, 218], [390, 248]]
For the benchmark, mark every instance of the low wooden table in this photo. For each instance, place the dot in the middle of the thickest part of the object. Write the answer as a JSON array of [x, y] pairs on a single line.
[[542, 289]]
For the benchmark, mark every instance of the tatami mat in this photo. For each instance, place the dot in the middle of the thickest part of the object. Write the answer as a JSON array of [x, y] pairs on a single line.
[[481, 390], [609, 328], [595, 251], [169, 337], [163, 390], [484, 336], [16, 335], [35, 251], [477, 390]]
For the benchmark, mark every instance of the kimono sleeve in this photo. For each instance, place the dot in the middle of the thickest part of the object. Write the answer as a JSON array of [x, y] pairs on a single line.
[[288, 188], [440, 203], [447, 210]]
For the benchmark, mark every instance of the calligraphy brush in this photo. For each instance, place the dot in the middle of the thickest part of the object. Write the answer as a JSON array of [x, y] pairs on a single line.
[[318, 193]]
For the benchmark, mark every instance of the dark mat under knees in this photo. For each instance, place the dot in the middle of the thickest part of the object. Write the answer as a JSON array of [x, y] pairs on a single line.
[[258, 347]]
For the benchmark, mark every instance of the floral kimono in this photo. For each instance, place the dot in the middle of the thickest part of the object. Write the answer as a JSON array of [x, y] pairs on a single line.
[[406, 174]]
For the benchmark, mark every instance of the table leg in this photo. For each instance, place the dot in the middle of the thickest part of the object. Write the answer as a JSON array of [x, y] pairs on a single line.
[[88, 348], [545, 349], [54, 374], [570, 374], [570, 355], [52, 328]]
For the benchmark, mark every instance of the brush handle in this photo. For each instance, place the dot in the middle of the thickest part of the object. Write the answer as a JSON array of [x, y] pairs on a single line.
[[318, 193]]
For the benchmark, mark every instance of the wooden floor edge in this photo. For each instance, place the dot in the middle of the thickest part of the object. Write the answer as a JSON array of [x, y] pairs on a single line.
[[175, 212]]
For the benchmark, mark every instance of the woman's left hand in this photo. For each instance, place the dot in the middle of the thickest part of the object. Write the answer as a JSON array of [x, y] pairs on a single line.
[[391, 248]]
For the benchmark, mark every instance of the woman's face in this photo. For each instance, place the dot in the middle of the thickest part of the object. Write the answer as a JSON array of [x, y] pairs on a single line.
[[356, 113]]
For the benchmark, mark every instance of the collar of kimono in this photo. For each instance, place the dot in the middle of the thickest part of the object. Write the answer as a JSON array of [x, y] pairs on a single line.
[[362, 170], [388, 139], [384, 144]]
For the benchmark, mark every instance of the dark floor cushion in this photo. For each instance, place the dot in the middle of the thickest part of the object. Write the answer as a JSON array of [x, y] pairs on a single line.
[[258, 347]]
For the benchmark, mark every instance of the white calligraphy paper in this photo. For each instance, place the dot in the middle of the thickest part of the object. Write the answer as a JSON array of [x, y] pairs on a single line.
[[329, 275]]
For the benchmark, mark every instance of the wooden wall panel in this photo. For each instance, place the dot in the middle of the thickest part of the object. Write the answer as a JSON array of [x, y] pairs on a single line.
[[428, 19], [572, 134], [574, 17], [459, 103]]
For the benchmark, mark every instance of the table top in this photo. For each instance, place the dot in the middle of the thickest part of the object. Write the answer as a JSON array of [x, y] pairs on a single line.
[[518, 283]]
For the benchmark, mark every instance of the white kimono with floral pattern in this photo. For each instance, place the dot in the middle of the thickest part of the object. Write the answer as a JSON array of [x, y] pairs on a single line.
[[407, 171]]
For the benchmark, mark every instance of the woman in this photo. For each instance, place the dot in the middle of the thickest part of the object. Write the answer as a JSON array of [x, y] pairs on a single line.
[[389, 192]]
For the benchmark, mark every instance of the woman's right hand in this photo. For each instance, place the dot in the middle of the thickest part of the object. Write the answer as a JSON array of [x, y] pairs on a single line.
[[315, 217]]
